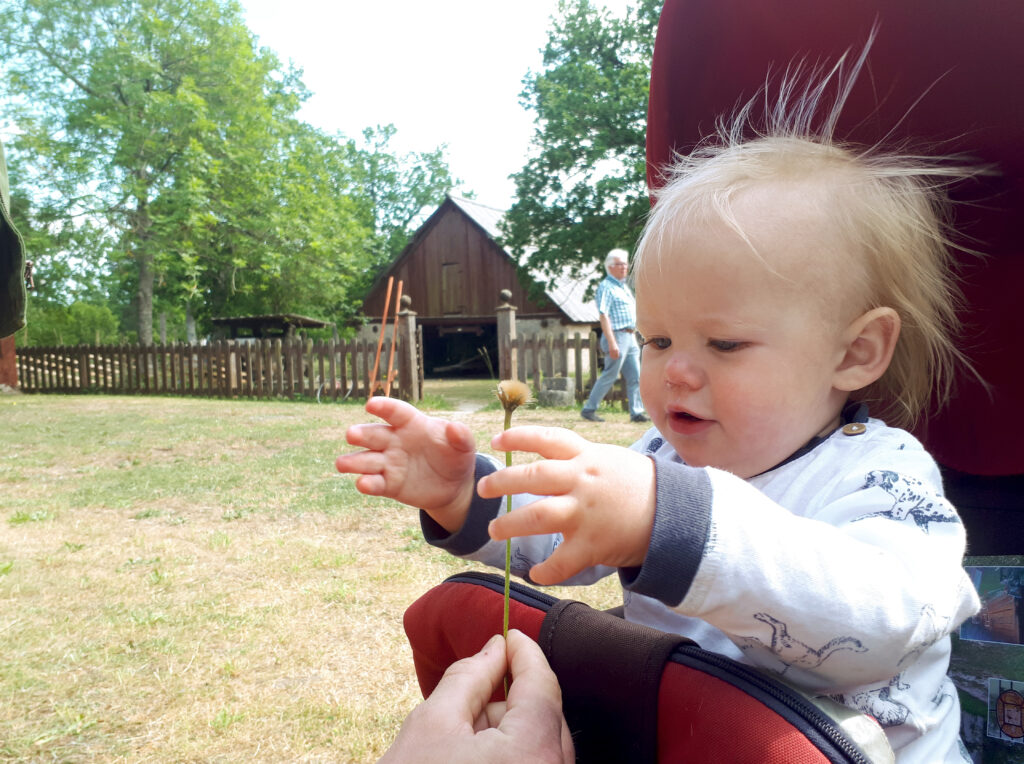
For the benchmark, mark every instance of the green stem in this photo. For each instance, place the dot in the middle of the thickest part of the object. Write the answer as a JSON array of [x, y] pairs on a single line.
[[508, 542], [508, 550]]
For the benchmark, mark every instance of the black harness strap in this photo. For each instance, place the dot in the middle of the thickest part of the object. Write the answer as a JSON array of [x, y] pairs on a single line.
[[610, 671]]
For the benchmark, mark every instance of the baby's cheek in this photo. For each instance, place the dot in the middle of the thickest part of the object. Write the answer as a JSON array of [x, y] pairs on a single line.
[[650, 383]]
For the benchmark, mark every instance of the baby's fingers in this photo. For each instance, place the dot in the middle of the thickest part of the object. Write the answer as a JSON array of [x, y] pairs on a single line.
[[554, 514], [359, 463], [549, 442], [541, 478], [564, 563], [371, 485], [374, 436], [370, 466], [393, 411]]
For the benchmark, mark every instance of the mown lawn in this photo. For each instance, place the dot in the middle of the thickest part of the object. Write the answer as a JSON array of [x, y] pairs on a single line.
[[190, 580]]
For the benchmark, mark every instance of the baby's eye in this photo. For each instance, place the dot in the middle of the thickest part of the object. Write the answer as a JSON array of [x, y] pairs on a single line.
[[726, 346], [661, 343]]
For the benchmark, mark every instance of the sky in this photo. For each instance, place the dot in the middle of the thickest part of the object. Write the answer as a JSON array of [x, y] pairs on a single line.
[[443, 72]]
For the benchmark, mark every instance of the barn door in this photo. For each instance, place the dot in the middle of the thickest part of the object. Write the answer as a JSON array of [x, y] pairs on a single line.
[[453, 290]]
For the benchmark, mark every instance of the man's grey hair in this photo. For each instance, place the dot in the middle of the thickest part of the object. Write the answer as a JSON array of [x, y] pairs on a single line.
[[616, 254]]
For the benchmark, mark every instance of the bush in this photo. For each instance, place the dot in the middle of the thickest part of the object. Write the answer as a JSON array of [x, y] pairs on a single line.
[[80, 323]]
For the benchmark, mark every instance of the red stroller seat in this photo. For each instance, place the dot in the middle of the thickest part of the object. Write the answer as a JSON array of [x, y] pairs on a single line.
[[945, 75]]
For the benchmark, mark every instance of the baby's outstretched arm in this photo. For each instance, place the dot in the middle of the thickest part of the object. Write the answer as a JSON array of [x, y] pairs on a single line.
[[421, 461], [600, 498]]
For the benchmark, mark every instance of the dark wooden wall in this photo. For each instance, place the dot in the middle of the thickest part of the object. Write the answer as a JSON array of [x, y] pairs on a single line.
[[453, 270]]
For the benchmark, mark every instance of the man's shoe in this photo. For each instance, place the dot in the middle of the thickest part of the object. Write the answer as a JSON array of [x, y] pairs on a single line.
[[640, 418], [591, 415]]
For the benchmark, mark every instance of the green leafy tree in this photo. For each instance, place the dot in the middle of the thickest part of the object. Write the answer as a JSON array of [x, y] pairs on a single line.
[[160, 122], [583, 188], [396, 189], [159, 168], [306, 250], [81, 323]]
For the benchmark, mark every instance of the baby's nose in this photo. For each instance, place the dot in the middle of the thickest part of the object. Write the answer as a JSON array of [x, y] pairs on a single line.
[[682, 371]]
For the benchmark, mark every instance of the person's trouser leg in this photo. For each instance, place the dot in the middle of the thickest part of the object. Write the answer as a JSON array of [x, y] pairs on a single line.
[[612, 367], [631, 372]]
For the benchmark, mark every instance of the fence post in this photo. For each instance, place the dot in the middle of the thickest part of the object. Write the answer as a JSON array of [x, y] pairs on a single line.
[[508, 358], [408, 363]]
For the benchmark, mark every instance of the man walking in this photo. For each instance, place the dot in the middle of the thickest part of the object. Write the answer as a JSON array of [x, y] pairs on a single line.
[[616, 308]]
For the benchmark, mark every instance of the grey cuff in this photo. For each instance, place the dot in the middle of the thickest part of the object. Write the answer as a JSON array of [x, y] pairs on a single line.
[[473, 533], [682, 522]]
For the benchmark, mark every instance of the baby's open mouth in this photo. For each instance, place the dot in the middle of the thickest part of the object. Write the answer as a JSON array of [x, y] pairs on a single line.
[[687, 424]]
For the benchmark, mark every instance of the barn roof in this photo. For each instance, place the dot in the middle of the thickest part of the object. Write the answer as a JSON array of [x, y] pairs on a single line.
[[271, 324], [567, 290]]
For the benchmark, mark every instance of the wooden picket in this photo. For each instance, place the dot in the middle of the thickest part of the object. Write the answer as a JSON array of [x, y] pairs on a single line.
[[327, 370], [542, 356]]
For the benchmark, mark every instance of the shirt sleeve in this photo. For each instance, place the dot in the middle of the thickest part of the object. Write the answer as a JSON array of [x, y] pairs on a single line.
[[603, 297], [850, 593], [472, 542]]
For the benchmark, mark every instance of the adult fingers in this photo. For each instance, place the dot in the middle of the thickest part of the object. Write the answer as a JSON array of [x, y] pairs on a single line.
[[448, 726], [533, 681], [492, 715], [534, 704], [467, 685]]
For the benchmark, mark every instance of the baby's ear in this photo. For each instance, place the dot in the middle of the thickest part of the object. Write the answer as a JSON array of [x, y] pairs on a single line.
[[869, 341]]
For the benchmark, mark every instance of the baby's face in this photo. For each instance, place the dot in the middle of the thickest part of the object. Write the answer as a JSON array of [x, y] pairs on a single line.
[[737, 369]]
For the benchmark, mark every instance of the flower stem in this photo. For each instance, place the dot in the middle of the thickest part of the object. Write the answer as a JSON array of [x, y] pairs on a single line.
[[508, 542], [512, 394]]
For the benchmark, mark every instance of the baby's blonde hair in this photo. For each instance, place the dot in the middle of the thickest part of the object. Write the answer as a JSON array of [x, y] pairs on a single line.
[[891, 208]]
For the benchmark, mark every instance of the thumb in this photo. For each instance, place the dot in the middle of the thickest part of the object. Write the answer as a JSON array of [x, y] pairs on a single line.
[[564, 563]]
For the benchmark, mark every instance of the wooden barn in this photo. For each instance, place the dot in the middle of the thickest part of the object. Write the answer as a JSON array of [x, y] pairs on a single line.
[[453, 270]]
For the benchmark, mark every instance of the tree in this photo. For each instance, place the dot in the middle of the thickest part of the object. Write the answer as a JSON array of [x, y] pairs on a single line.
[[305, 248], [80, 323], [158, 166], [149, 118], [398, 188], [583, 189]]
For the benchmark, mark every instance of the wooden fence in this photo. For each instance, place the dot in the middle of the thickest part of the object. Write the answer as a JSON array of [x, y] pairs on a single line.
[[540, 356], [266, 368]]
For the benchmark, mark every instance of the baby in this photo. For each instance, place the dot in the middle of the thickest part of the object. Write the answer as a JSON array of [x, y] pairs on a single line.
[[784, 283]]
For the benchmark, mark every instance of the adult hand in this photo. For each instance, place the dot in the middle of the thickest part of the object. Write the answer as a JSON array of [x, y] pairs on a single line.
[[457, 724], [601, 499]]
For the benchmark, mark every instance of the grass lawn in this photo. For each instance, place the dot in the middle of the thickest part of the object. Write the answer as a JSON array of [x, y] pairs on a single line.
[[191, 580]]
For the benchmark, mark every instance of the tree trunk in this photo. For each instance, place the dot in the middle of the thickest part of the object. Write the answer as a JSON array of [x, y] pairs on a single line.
[[190, 325], [145, 262]]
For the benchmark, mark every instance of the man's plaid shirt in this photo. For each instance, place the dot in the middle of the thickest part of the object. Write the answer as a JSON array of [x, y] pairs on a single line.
[[616, 301]]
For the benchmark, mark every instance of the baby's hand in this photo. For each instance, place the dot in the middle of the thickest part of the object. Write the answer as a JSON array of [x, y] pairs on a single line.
[[415, 459], [599, 497]]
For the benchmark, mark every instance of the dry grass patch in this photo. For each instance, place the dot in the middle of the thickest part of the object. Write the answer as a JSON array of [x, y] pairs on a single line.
[[190, 580]]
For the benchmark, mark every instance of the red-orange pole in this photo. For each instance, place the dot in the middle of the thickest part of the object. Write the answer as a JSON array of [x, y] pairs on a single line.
[[374, 382], [394, 339]]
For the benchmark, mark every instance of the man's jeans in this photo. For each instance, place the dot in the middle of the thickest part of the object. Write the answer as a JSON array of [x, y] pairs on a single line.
[[627, 364]]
